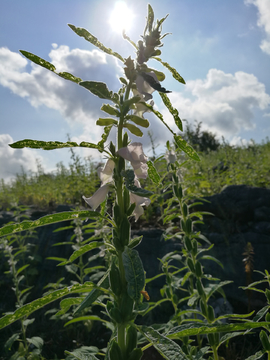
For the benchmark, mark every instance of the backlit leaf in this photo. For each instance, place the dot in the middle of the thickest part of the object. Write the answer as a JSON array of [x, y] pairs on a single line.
[[172, 110], [183, 145], [106, 122], [38, 60], [152, 173], [138, 120], [97, 88], [110, 110], [175, 74], [134, 130]]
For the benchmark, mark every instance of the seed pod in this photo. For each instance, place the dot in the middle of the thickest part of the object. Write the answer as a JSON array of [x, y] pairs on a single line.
[[115, 280], [124, 231], [131, 209], [112, 148], [115, 351], [126, 307], [267, 294], [117, 214], [200, 288], [175, 190], [190, 265], [211, 313], [188, 244], [183, 225], [126, 199], [265, 340], [198, 269], [203, 308], [185, 210], [136, 354], [194, 247], [117, 242], [131, 339], [188, 226]]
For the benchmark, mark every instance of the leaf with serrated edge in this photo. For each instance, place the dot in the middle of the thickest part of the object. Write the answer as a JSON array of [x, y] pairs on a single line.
[[172, 110], [48, 219], [173, 71]]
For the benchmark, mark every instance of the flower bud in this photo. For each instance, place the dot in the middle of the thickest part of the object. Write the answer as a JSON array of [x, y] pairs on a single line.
[[115, 280]]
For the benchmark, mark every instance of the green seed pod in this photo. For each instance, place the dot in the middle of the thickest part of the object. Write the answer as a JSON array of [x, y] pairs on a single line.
[[136, 354], [212, 340], [188, 226], [116, 315], [175, 179], [175, 190], [126, 199], [194, 247], [115, 351], [124, 231], [265, 340], [185, 210], [180, 192], [198, 269], [211, 313], [116, 241], [203, 308], [117, 214], [127, 307], [131, 209], [112, 148], [187, 243], [109, 306], [115, 280], [200, 288], [183, 225], [131, 339], [175, 299], [125, 139], [191, 265], [267, 317]]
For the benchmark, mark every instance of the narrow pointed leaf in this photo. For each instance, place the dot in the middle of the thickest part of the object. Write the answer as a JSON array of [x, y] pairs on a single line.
[[106, 122], [95, 293], [183, 145], [160, 116], [97, 88], [83, 250], [28, 309], [38, 60], [65, 304], [68, 76], [22, 268], [104, 137], [152, 173], [45, 145], [166, 347], [93, 40], [256, 356], [134, 130], [173, 71], [84, 318], [138, 120], [172, 110], [129, 183], [134, 273], [150, 17], [48, 219]]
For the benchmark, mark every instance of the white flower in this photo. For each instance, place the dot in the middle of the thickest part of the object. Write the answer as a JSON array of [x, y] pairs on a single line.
[[105, 175], [140, 108], [139, 201], [144, 87], [134, 153], [170, 157]]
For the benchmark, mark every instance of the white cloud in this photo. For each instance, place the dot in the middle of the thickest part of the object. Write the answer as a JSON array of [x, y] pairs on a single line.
[[263, 21], [42, 87], [223, 102], [12, 160]]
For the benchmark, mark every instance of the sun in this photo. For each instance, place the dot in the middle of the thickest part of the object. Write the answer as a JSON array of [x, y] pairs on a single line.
[[121, 17]]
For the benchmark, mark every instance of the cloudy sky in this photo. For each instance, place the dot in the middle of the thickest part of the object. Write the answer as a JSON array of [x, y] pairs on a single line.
[[221, 48]]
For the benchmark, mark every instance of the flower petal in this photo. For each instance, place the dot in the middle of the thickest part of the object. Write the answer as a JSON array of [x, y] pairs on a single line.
[[98, 197], [105, 173]]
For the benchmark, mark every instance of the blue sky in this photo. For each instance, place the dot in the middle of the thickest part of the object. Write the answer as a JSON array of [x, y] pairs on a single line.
[[221, 48]]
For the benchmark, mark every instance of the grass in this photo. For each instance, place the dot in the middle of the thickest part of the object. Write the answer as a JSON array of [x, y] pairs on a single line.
[[217, 169]]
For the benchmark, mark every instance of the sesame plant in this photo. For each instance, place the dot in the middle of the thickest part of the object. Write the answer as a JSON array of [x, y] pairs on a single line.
[[122, 289]]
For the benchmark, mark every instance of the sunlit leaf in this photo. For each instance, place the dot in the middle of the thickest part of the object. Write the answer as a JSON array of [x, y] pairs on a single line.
[[106, 122], [166, 347], [38, 60], [138, 120], [93, 40], [110, 110], [104, 137], [183, 145], [45, 145], [28, 309], [134, 273], [134, 130], [150, 18], [68, 76], [172, 110], [152, 173], [48, 219], [97, 88], [83, 250], [175, 74]]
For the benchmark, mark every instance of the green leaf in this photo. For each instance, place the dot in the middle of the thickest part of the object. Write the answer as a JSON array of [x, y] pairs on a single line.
[[138, 120], [10, 341], [36, 341], [97, 88], [68, 76], [159, 115], [84, 318], [150, 18], [216, 287], [152, 173], [65, 304], [192, 329], [166, 347], [256, 356], [48, 219], [95, 293], [228, 336], [93, 40], [38, 60], [134, 273], [175, 74], [172, 110], [89, 145], [83, 353], [183, 145], [110, 110], [129, 183], [83, 250], [134, 130], [28, 309], [104, 137], [106, 122], [22, 268], [45, 145]]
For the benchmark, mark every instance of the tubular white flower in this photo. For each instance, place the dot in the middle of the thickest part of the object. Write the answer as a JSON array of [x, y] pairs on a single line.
[[143, 87], [170, 157], [105, 175], [139, 201], [140, 108], [134, 153]]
